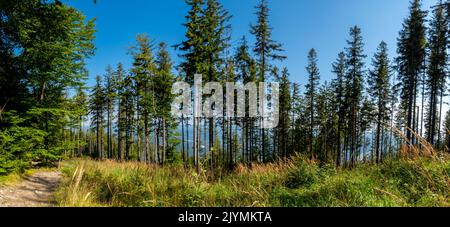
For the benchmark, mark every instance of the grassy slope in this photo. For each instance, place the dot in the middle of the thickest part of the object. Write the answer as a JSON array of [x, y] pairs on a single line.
[[405, 182]]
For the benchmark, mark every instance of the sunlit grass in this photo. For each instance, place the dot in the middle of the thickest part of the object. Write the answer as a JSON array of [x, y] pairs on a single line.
[[299, 183], [15, 178]]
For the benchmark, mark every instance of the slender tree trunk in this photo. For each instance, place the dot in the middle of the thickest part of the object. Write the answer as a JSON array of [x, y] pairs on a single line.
[[293, 132], [230, 143], [164, 140], [199, 144], [182, 142], [119, 131], [410, 108], [156, 139], [339, 143], [263, 133], [127, 135], [414, 139], [98, 139], [79, 150], [311, 132], [378, 139], [211, 141], [440, 118], [146, 139], [224, 132], [244, 140], [138, 134], [250, 141]]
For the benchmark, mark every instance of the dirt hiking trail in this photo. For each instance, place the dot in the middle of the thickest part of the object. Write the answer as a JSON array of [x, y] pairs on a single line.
[[36, 190]]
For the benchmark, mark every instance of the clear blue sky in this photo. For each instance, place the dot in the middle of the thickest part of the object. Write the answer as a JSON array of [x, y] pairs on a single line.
[[298, 24]]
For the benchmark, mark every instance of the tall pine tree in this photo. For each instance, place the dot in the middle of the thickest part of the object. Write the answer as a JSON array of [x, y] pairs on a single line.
[[437, 72], [339, 68], [379, 86], [267, 50], [354, 80], [311, 94], [410, 63]]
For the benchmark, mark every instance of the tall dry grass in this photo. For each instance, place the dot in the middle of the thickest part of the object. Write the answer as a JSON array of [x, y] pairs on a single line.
[[407, 181]]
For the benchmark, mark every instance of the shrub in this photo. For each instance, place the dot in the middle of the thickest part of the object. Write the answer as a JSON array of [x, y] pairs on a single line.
[[302, 174]]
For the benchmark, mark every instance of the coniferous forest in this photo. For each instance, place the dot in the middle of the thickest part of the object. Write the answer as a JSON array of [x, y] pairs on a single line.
[[376, 134]]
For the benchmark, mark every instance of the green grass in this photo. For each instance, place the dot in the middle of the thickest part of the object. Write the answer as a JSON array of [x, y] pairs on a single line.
[[301, 183], [10, 179], [16, 177]]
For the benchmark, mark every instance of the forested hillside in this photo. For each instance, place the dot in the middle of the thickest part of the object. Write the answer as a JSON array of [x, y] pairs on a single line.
[[376, 111]]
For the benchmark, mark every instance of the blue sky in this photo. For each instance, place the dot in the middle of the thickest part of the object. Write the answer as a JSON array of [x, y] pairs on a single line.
[[298, 24]]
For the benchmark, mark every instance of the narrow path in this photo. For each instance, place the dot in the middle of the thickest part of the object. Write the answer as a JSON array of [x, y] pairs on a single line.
[[35, 190]]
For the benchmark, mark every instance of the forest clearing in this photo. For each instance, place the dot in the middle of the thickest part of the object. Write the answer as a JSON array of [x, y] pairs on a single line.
[[406, 182], [298, 183]]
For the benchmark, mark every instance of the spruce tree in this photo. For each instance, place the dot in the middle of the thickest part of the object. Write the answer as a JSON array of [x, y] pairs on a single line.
[[311, 95], [193, 48], [410, 63], [379, 86], [110, 98], [121, 110], [339, 68], [97, 110], [325, 121], [354, 80], [162, 87], [266, 50], [245, 66], [437, 72], [81, 112], [143, 70], [129, 107], [295, 105], [216, 39], [284, 113]]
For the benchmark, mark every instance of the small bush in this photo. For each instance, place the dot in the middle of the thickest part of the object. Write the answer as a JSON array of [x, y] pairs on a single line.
[[302, 175]]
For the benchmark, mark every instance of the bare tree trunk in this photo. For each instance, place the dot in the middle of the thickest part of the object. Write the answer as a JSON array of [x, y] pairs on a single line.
[[414, 139], [230, 142], [243, 139], [182, 141], [98, 140], [251, 140], [440, 118], [156, 133], [109, 142], [164, 141], [198, 149], [224, 132], [423, 100], [187, 143], [211, 141], [339, 141], [194, 145], [378, 139], [138, 133]]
